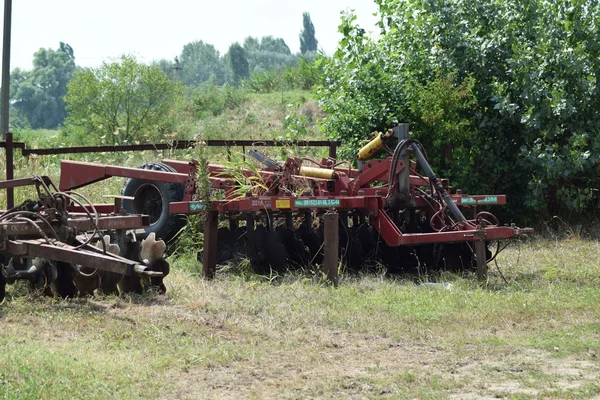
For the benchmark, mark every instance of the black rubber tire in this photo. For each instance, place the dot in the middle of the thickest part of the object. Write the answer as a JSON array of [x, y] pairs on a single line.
[[153, 198]]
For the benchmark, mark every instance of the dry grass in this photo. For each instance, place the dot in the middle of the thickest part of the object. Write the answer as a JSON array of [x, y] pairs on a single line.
[[373, 337]]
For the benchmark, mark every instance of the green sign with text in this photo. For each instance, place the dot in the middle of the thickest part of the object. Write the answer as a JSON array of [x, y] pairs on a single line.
[[317, 203], [196, 206], [485, 200]]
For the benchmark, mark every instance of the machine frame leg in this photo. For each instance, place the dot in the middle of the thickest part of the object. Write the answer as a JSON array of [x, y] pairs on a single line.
[[331, 261], [482, 267], [209, 255]]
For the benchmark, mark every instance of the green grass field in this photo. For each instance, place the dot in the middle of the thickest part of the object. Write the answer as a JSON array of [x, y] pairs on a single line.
[[374, 337]]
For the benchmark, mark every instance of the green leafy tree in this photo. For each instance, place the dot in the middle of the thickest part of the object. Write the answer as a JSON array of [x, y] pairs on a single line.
[[121, 102], [239, 63], [268, 54], [532, 68], [37, 95], [308, 41], [200, 61]]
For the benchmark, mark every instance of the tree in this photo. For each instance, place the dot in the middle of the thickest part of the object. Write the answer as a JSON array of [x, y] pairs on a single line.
[[200, 61], [532, 67], [308, 41], [121, 102], [38, 94], [239, 63], [267, 54]]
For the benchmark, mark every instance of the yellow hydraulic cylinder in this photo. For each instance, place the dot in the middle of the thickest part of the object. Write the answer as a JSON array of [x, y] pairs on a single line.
[[374, 145], [314, 172]]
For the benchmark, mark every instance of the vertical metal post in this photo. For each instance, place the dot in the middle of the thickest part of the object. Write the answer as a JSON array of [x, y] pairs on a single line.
[[5, 96], [10, 192], [330, 262], [5, 99], [333, 150], [209, 255], [482, 268]]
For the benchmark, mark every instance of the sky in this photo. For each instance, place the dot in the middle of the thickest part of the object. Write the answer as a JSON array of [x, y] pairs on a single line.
[[152, 30]]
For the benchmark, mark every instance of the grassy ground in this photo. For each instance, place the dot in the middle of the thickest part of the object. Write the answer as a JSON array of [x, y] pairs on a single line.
[[374, 337]]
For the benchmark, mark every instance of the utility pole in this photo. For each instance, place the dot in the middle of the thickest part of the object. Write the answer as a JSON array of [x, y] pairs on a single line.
[[177, 68], [5, 97]]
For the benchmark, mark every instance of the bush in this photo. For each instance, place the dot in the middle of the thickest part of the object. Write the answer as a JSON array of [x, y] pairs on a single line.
[[211, 100], [528, 127], [264, 82]]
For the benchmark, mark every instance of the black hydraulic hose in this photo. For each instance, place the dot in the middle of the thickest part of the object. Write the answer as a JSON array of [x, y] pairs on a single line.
[[437, 184], [396, 156]]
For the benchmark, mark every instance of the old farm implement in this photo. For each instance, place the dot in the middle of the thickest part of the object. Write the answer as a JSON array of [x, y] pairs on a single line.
[[393, 211], [64, 246]]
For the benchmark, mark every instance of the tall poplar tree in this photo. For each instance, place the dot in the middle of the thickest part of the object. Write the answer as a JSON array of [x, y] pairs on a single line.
[[308, 41]]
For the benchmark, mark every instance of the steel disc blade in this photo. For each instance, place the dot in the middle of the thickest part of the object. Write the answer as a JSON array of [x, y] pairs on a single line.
[[225, 245], [269, 252], [257, 253], [390, 257], [313, 239], [276, 253], [239, 246], [459, 257], [298, 254], [355, 255], [364, 234]]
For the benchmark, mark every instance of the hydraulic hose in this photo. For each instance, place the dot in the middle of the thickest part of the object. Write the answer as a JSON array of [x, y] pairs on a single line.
[[437, 184]]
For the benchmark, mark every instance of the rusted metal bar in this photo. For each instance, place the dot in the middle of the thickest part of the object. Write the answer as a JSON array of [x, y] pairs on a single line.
[[181, 144], [271, 143], [83, 224], [331, 230], [118, 201], [132, 221], [209, 255], [17, 182], [16, 145], [10, 165], [76, 174], [99, 149], [65, 253]]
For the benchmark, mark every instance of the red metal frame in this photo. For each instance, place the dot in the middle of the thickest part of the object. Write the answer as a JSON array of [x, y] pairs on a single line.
[[352, 190]]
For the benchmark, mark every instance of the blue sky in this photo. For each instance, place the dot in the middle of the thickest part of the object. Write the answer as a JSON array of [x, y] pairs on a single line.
[[103, 30]]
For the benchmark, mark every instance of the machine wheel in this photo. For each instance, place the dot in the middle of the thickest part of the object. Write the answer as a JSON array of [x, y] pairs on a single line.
[[153, 198]]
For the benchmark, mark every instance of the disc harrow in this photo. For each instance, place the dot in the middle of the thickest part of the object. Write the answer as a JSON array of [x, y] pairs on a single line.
[[63, 246], [391, 213]]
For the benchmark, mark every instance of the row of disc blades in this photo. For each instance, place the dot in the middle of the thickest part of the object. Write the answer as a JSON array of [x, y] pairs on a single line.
[[280, 249]]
